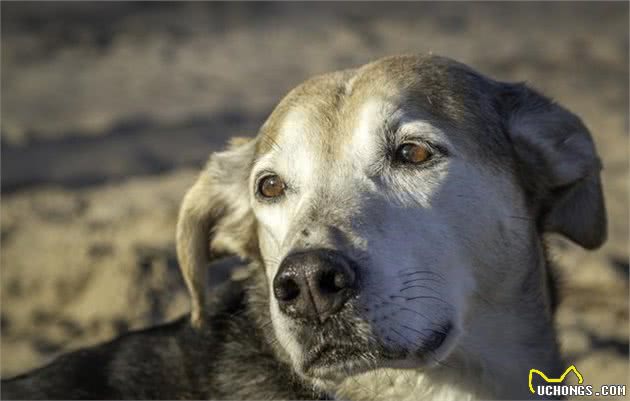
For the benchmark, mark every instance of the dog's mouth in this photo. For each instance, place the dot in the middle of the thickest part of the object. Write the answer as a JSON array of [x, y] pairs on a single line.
[[337, 361], [328, 356], [436, 341], [332, 360]]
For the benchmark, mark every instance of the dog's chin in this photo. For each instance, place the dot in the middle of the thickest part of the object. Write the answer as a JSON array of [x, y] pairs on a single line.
[[331, 363]]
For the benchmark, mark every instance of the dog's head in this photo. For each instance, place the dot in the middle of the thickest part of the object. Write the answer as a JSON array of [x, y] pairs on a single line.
[[395, 208]]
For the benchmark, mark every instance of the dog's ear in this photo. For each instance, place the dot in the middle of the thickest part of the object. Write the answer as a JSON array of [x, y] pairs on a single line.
[[558, 164], [215, 219]]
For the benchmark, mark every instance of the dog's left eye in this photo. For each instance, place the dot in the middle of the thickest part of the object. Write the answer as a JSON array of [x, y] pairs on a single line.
[[413, 153], [271, 186]]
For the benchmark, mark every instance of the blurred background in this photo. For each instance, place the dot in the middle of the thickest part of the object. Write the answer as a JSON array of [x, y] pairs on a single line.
[[110, 109]]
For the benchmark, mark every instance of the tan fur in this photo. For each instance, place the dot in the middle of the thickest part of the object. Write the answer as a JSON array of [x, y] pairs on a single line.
[[214, 220]]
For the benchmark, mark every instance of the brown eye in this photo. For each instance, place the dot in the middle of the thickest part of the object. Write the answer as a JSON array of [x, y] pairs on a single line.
[[413, 153], [271, 186]]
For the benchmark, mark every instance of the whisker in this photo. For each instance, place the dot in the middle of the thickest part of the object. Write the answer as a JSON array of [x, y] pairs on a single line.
[[422, 279], [403, 337], [431, 355], [263, 326], [404, 309], [420, 297], [436, 331], [421, 332], [389, 377], [521, 218], [414, 330], [415, 272], [420, 286], [237, 314], [355, 381]]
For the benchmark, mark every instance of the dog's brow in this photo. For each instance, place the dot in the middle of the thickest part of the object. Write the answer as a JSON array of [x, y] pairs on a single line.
[[391, 126], [398, 125], [260, 163], [410, 127]]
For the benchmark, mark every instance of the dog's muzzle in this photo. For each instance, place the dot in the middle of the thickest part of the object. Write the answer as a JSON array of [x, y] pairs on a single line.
[[314, 285]]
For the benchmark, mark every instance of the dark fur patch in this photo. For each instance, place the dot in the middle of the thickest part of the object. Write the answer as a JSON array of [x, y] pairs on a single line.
[[228, 359]]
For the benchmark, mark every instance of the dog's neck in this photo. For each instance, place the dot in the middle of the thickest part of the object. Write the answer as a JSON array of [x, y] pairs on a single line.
[[492, 360], [503, 378], [497, 373]]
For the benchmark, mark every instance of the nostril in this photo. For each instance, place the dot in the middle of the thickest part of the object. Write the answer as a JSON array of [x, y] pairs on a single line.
[[286, 289], [332, 281], [341, 280], [327, 282]]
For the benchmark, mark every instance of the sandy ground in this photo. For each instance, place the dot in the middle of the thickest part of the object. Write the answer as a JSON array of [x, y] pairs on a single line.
[[109, 109]]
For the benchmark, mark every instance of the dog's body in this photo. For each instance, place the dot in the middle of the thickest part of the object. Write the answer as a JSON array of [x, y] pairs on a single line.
[[175, 361], [393, 216]]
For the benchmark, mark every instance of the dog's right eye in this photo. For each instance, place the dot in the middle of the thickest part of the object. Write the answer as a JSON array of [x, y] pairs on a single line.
[[271, 186], [413, 153]]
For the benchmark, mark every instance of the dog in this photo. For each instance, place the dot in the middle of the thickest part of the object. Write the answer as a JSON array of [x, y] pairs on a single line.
[[393, 218]]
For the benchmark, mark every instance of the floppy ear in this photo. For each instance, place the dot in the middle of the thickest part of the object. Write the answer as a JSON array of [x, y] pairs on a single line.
[[559, 165], [215, 218]]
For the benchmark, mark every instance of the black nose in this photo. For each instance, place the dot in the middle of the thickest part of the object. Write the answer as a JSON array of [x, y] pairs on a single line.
[[314, 284]]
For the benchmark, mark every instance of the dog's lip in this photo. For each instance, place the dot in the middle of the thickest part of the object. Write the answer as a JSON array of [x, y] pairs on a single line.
[[314, 357], [351, 357], [437, 339], [439, 345]]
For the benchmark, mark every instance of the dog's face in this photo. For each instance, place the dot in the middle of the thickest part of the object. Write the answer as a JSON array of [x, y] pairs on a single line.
[[364, 171], [395, 207]]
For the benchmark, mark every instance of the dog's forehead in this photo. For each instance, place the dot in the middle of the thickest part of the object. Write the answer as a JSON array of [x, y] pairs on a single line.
[[327, 110]]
